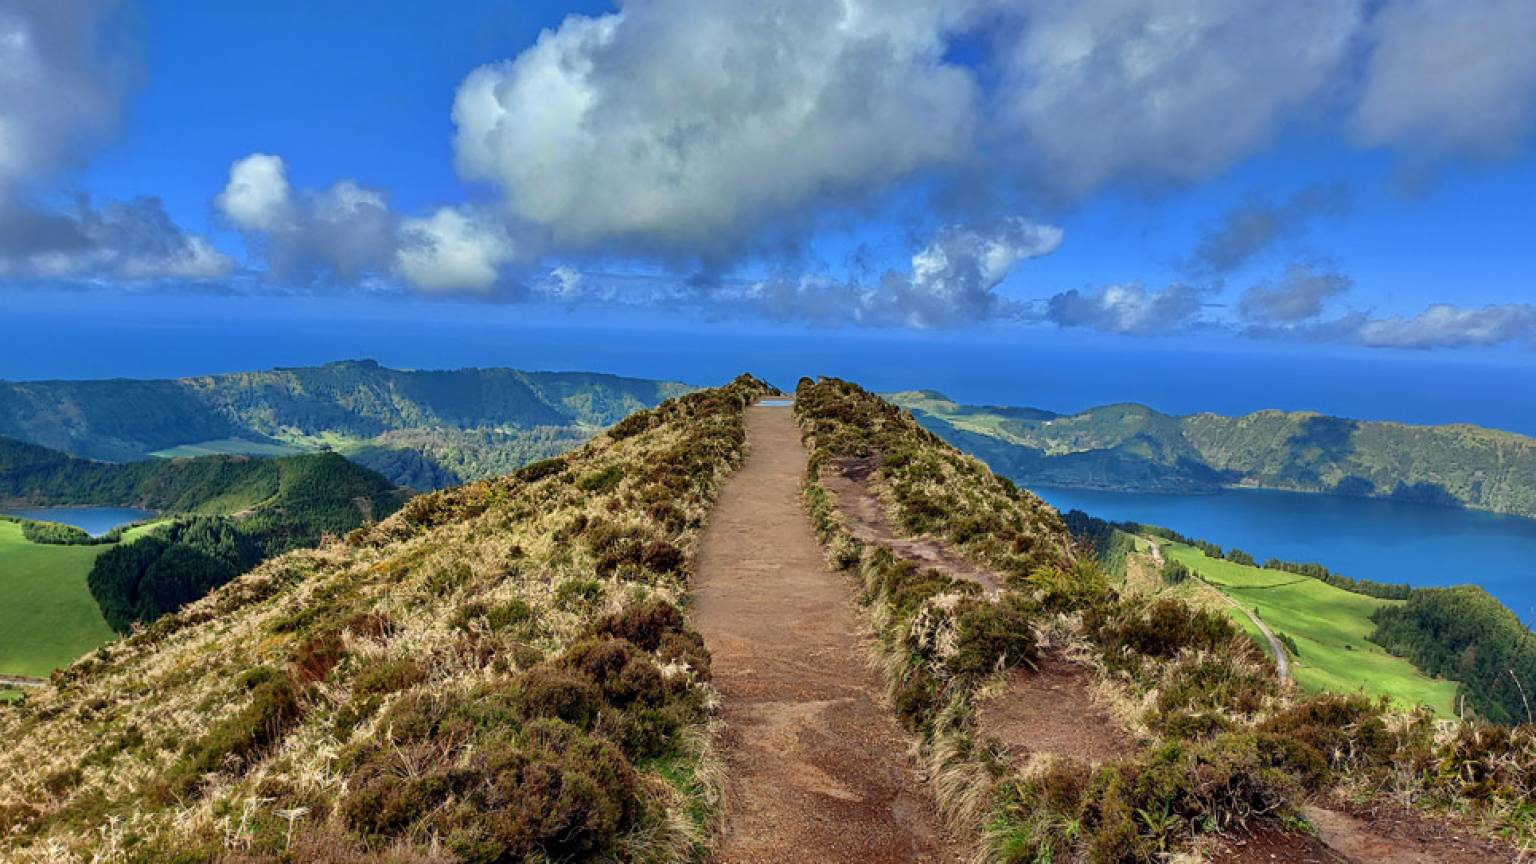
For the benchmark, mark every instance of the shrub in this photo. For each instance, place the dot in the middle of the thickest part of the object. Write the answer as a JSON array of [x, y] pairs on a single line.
[[989, 634], [272, 710], [314, 659], [645, 624], [573, 593], [1348, 730], [659, 556], [630, 426], [547, 691], [536, 471], [388, 676], [602, 481]]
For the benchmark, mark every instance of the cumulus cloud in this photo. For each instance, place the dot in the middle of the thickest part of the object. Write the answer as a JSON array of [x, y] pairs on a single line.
[[342, 234], [692, 127], [1299, 295], [1131, 308], [256, 198], [1455, 76], [1254, 226], [454, 250], [952, 282]]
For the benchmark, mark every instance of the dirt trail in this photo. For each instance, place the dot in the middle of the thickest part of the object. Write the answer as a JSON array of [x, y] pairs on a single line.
[[865, 516], [1052, 710], [1049, 709], [816, 767]]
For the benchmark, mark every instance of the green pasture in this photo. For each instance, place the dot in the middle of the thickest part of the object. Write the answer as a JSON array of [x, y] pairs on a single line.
[[47, 615], [1329, 625]]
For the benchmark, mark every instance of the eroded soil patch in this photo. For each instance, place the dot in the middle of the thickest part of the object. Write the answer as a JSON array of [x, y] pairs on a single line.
[[1392, 835], [1051, 709]]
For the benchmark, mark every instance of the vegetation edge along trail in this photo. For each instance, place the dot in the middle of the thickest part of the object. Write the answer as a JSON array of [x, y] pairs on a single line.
[[1229, 753]]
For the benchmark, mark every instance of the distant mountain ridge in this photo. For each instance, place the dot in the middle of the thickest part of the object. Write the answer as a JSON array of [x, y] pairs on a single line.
[[1135, 448], [419, 428]]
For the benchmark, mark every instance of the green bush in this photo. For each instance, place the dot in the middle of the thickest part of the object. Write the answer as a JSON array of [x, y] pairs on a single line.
[[992, 634]]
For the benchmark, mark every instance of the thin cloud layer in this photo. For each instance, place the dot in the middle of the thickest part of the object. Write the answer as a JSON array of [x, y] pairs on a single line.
[[1255, 226], [1447, 326]]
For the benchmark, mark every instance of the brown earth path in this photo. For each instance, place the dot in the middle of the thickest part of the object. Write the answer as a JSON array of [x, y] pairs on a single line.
[[816, 767]]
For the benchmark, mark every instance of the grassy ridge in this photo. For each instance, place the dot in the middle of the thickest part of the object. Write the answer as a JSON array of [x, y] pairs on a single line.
[[498, 672], [48, 618], [1330, 627], [1225, 748], [1136, 448]]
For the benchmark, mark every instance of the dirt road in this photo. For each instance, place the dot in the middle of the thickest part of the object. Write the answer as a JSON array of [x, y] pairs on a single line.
[[816, 767]]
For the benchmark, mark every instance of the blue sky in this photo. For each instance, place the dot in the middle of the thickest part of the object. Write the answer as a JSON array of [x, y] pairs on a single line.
[[1302, 176]]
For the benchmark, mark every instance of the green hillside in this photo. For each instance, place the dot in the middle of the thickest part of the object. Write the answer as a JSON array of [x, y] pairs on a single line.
[[1331, 629], [1132, 447], [462, 424], [519, 642], [229, 514]]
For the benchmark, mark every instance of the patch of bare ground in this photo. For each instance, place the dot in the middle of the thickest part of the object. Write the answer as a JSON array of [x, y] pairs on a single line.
[[1273, 846], [816, 767], [1052, 709], [1389, 834], [864, 512]]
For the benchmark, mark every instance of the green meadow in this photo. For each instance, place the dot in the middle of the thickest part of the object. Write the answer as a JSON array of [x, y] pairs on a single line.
[[1329, 625], [47, 617], [228, 447]]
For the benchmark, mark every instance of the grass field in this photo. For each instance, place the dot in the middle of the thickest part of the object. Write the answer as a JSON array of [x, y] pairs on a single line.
[[228, 447], [47, 615], [1329, 626]]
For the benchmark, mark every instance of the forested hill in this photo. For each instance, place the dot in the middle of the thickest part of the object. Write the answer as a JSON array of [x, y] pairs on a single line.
[[419, 428], [34, 475], [1132, 447]]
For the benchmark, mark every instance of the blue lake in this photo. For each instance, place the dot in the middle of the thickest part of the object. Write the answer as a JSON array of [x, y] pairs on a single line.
[[94, 521], [1388, 541]]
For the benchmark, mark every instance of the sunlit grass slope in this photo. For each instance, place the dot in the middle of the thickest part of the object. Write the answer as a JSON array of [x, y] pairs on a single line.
[[1329, 625], [498, 672], [48, 618]]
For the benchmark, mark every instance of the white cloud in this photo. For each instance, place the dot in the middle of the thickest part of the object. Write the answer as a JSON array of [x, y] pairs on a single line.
[[343, 234], [693, 127], [256, 198], [1131, 308], [1455, 76], [454, 250], [1174, 90], [1447, 326]]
